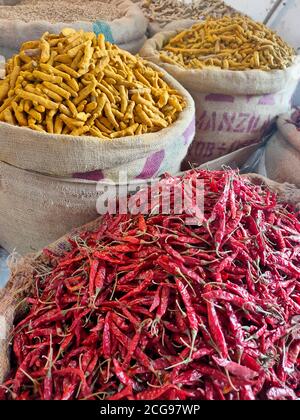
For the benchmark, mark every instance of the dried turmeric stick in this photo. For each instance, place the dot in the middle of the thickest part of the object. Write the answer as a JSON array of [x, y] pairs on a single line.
[[37, 98]]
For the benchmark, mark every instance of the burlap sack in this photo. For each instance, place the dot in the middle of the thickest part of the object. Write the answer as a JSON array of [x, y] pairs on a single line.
[[281, 159], [128, 31], [48, 183], [87, 157], [21, 280], [36, 209], [233, 108]]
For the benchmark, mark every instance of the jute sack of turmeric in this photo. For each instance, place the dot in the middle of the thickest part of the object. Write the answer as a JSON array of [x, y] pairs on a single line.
[[72, 103], [240, 74], [281, 159], [75, 114]]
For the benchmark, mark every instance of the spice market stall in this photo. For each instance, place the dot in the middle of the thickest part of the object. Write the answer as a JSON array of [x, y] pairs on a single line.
[[188, 287]]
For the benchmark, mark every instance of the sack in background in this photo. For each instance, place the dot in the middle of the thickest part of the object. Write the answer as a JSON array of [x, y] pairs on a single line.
[[233, 108], [128, 32], [281, 159], [166, 15]]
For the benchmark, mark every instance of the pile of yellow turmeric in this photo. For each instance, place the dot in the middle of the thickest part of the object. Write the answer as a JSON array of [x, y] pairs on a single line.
[[75, 83], [230, 43]]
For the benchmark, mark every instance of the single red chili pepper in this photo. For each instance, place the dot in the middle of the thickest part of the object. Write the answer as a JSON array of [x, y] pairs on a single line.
[[229, 297], [156, 299], [164, 300], [105, 257], [142, 225], [92, 366], [100, 277], [122, 376], [235, 325], [190, 377], [147, 278], [190, 311], [106, 340], [236, 369], [250, 362], [172, 252], [216, 330]]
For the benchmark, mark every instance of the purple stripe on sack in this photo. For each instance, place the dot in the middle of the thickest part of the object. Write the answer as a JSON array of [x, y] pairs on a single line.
[[96, 175], [189, 131], [218, 97], [152, 165], [267, 100]]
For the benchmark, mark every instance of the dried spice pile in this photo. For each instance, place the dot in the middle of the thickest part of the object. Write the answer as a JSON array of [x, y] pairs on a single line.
[[166, 11], [76, 83], [156, 308], [234, 43], [61, 10]]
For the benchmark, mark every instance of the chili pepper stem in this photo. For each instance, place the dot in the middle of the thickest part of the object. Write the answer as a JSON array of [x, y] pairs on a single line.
[[194, 336]]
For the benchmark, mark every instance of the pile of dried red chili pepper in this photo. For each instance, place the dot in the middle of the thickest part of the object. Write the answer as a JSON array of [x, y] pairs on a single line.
[[156, 308]]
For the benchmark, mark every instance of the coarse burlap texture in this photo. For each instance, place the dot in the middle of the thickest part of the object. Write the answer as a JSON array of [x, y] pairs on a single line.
[[281, 158], [128, 32], [48, 183], [2, 67], [8, 2], [233, 108], [21, 281], [36, 209], [154, 27]]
